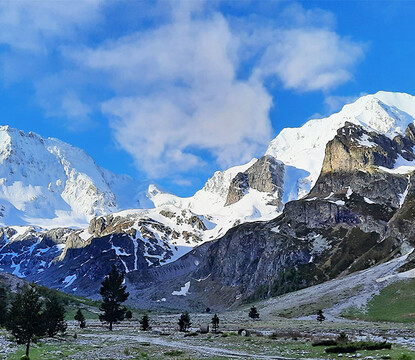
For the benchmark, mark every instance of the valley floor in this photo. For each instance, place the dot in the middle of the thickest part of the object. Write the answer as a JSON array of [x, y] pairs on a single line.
[[276, 338]]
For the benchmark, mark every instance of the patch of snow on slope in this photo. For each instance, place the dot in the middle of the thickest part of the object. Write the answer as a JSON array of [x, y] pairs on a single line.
[[366, 142], [184, 290], [69, 280]]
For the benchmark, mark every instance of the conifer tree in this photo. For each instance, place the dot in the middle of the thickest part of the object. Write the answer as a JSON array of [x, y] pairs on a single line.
[[253, 313], [3, 306], [54, 316], [184, 321], [215, 323], [80, 318], [25, 318], [320, 316], [128, 315], [145, 323], [113, 294]]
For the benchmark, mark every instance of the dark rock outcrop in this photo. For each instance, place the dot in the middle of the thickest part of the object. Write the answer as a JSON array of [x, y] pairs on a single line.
[[265, 175]]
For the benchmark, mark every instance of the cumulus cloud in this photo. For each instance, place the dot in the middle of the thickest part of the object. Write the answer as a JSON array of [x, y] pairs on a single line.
[[28, 25], [186, 96], [310, 59], [195, 82]]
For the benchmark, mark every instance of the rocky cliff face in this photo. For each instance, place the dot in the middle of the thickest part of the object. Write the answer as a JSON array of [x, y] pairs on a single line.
[[359, 213], [77, 260], [265, 175]]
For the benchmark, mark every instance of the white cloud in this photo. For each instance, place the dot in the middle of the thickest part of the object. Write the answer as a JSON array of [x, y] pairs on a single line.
[[309, 59], [31, 25], [186, 96], [173, 90]]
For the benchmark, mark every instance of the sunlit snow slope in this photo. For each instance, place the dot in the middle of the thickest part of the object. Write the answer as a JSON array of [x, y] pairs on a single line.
[[50, 183]]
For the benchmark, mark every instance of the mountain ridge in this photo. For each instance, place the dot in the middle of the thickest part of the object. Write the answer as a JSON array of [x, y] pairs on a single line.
[[251, 223]]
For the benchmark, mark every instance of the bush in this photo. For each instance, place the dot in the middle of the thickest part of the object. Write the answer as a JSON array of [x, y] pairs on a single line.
[[24, 357], [405, 357], [361, 345], [346, 348], [324, 343], [343, 338], [174, 353], [194, 333]]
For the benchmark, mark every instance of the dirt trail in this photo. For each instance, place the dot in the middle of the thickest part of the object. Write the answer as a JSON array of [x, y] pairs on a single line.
[[208, 350]]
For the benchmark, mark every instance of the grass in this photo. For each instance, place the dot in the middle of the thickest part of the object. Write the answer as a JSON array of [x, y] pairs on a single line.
[[395, 303], [254, 345], [48, 351]]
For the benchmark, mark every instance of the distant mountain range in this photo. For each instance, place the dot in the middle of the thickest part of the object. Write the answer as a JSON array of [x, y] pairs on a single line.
[[332, 196]]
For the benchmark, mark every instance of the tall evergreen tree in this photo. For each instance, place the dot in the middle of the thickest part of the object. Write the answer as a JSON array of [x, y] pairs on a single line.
[[184, 321], [113, 294], [80, 318], [253, 313], [145, 323], [3, 306], [25, 317], [54, 316], [215, 323]]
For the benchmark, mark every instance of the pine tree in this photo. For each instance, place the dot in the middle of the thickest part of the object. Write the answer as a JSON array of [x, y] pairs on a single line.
[[54, 316], [253, 313], [25, 317], [184, 321], [128, 315], [80, 318], [113, 294], [3, 306], [320, 316], [145, 323], [215, 323]]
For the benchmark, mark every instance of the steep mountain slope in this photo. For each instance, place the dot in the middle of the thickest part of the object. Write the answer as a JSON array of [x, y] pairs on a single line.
[[355, 216]]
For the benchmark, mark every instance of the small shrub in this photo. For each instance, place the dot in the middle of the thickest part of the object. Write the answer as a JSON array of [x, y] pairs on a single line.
[[361, 345], [346, 348], [194, 333], [24, 357], [174, 353], [343, 338], [324, 343], [127, 351], [405, 357], [224, 335]]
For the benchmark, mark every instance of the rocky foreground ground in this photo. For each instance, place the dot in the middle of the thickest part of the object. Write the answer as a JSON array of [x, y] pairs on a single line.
[[271, 338]]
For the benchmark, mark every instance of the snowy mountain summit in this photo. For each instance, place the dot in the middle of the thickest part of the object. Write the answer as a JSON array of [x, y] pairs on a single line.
[[47, 182]]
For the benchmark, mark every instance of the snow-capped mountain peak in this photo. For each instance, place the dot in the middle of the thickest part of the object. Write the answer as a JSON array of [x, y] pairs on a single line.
[[47, 182], [303, 148]]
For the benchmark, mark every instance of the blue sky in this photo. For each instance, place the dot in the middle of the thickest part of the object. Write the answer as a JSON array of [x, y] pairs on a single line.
[[172, 91]]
